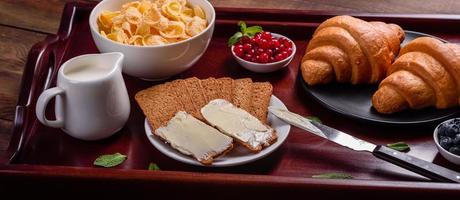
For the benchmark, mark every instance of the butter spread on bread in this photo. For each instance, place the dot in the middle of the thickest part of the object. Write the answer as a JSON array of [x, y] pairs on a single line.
[[239, 124], [193, 137]]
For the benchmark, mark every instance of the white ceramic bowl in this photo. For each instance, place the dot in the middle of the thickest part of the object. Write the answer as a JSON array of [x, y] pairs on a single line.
[[446, 154], [155, 62], [266, 67]]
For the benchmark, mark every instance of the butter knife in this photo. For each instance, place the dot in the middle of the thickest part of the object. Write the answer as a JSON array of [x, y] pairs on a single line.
[[419, 166]]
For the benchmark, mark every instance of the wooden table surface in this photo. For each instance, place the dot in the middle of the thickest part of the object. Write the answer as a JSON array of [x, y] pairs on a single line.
[[26, 22]]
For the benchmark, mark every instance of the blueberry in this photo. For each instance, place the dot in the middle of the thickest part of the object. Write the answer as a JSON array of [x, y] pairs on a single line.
[[451, 128], [442, 129], [455, 150], [445, 142], [455, 121], [456, 139]]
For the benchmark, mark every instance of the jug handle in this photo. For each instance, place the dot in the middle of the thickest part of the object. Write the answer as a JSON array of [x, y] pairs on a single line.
[[42, 103]]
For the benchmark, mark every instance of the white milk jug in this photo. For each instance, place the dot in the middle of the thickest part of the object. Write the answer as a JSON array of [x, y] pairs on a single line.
[[91, 97]]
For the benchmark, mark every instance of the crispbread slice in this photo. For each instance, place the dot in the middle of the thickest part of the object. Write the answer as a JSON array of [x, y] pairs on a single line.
[[159, 104], [226, 88], [143, 99], [210, 88], [196, 92], [261, 94], [242, 96], [179, 86]]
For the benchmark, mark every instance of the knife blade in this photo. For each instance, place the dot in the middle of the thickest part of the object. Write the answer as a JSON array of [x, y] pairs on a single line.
[[419, 166]]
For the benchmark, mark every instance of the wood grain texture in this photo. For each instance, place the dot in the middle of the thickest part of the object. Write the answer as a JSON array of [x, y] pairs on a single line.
[[44, 15], [14, 46], [5, 135], [355, 6], [5, 126]]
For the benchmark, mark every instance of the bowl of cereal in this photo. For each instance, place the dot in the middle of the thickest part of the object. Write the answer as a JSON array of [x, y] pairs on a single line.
[[159, 38]]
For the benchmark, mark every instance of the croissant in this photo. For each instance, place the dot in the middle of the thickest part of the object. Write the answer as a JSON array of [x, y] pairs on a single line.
[[350, 50], [427, 73]]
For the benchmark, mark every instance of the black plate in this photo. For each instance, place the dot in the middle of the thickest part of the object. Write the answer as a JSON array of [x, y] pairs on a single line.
[[355, 101]]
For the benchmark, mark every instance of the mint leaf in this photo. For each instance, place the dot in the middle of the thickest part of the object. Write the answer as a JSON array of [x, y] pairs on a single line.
[[245, 31], [399, 146], [242, 26], [333, 175], [234, 39], [110, 160], [153, 167], [252, 30], [313, 118]]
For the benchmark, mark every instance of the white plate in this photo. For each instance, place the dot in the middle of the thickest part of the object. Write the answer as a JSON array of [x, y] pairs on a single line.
[[238, 155]]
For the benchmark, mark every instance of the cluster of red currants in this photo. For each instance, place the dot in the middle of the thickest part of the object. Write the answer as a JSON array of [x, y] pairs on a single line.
[[263, 48]]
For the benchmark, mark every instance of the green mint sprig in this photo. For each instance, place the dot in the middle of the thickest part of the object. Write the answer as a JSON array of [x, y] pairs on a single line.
[[333, 175], [110, 160], [244, 31], [313, 118], [153, 167], [399, 146]]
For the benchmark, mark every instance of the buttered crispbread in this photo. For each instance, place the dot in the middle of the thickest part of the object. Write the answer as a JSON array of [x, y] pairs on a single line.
[[161, 102]]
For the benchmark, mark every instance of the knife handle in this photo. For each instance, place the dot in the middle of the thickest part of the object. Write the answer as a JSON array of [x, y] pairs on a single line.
[[419, 166]]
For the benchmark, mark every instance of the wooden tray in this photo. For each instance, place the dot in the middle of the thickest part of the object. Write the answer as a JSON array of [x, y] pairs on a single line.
[[38, 153]]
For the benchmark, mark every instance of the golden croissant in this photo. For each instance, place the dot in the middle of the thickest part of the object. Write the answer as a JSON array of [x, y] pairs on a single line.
[[426, 73], [350, 50]]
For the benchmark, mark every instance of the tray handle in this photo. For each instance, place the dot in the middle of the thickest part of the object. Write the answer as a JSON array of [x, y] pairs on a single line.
[[38, 74]]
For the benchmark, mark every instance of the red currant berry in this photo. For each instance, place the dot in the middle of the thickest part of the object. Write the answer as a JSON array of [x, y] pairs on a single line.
[[252, 52], [276, 50], [260, 50], [281, 40], [275, 43], [272, 59], [266, 35], [264, 44], [247, 47], [254, 41], [238, 52], [287, 43], [245, 39], [284, 54], [282, 47], [269, 52], [278, 57], [289, 50], [263, 58], [248, 57]]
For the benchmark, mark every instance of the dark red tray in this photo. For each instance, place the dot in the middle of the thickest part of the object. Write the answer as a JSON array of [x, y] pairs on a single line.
[[38, 153]]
